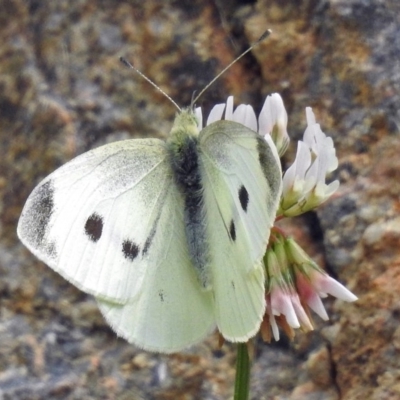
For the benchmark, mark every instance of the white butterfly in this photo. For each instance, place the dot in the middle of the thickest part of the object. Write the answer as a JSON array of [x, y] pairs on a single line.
[[169, 236]]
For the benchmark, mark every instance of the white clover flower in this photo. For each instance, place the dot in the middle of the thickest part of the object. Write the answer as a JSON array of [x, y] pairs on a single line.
[[304, 186], [313, 283], [294, 285], [282, 297]]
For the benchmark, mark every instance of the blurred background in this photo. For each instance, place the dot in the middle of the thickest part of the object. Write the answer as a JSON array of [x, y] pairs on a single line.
[[63, 91]]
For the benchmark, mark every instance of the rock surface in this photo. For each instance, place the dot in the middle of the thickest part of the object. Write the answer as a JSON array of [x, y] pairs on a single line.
[[63, 91]]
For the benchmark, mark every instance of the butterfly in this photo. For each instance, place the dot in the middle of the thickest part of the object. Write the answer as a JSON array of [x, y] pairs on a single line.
[[168, 235]]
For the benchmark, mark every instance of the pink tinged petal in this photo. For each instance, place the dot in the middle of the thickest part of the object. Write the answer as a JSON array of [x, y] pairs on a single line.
[[245, 115], [309, 295], [301, 314], [272, 321], [215, 113], [281, 304], [229, 109], [315, 303], [274, 327], [199, 116], [325, 284]]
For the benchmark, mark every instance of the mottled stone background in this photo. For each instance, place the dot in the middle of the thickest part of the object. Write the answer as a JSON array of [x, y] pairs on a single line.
[[63, 91]]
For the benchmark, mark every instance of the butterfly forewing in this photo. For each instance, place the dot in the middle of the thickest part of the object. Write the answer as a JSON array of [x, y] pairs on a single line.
[[242, 186], [92, 219]]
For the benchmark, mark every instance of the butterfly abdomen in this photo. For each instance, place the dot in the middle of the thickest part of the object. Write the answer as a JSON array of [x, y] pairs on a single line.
[[185, 164]]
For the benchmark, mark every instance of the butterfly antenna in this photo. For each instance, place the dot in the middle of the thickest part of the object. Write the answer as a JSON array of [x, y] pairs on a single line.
[[260, 39], [129, 65]]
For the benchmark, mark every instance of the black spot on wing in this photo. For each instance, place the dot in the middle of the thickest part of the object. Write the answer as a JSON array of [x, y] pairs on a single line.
[[130, 249], [94, 227], [161, 295], [243, 197], [36, 218], [232, 230]]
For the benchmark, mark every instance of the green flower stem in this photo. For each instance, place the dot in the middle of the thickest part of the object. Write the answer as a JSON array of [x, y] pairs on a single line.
[[242, 379]]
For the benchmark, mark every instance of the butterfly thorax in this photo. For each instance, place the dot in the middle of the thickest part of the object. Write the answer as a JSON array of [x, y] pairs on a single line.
[[185, 124], [185, 162], [182, 145]]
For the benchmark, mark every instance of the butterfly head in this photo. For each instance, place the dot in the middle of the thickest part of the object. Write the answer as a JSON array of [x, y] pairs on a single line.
[[185, 125]]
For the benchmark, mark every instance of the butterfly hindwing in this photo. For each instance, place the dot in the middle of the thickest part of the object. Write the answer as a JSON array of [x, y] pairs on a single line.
[[173, 311], [242, 186]]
